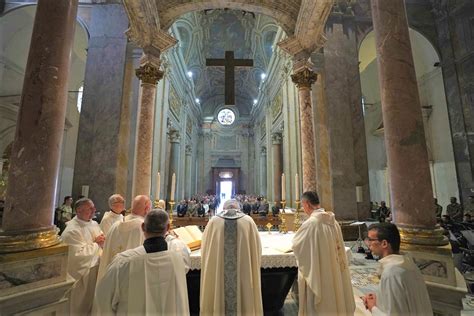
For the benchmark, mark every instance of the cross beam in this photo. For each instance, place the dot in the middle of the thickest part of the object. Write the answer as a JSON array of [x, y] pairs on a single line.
[[229, 64]]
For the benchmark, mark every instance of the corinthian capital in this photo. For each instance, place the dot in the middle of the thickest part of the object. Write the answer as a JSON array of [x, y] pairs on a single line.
[[304, 78], [149, 70], [277, 138], [174, 136]]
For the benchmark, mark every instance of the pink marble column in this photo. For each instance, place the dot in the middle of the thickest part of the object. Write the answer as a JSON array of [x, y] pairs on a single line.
[[303, 79], [149, 74], [31, 192], [277, 166], [410, 180]]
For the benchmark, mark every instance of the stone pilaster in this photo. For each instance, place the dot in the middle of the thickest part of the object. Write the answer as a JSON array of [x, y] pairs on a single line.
[[263, 171], [303, 79], [348, 152], [97, 155], [174, 138], [188, 175], [149, 75], [277, 156]]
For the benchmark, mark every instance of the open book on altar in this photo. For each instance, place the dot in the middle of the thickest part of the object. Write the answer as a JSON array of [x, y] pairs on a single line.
[[191, 235]]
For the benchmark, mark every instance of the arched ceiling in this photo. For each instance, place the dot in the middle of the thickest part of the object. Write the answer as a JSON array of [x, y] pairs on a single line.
[[284, 11], [424, 54], [208, 34], [16, 28]]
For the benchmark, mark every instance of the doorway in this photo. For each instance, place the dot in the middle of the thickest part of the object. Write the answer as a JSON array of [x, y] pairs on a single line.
[[225, 191]]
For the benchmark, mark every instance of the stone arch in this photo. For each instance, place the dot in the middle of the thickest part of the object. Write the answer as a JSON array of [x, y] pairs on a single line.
[[285, 14], [435, 116]]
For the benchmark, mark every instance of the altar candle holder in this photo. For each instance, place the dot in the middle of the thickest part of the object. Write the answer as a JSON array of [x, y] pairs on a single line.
[[155, 203], [171, 203], [283, 204], [297, 215]]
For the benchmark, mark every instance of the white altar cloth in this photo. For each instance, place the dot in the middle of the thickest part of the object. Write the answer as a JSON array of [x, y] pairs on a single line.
[[272, 251]]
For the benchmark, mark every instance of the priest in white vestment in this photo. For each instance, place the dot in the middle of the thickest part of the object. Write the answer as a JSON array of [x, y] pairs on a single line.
[[117, 206], [147, 280], [324, 280], [85, 241], [402, 290], [230, 268], [125, 235]]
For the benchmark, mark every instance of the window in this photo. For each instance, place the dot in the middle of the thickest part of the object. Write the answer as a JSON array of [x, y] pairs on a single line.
[[79, 98], [226, 117]]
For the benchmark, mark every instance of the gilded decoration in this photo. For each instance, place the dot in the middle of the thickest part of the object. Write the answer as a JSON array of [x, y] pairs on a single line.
[[148, 73], [304, 78], [29, 240], [175, 104], [277, 105]]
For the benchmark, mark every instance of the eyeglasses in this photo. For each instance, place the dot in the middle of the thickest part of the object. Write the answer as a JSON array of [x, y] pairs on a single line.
[[367, 239], [119, 202]]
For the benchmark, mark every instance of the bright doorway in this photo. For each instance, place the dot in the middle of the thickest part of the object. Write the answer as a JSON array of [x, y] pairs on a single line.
[[226, 191]]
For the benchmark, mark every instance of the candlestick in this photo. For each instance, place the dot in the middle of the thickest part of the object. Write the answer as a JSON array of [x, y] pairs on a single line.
[[158, 187], [297, 187], [283, 204], [173, 185], [171, 203], [283, 187], [297, 215]]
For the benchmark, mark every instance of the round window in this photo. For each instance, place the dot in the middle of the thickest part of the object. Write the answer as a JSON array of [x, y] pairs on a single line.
[[226, 117]]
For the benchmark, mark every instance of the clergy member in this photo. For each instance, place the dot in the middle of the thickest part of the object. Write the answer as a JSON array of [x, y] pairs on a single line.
[[116, 205], [402, 290], [147, 280], [230, 269], [85, 241], [125, 235], [324, 280]]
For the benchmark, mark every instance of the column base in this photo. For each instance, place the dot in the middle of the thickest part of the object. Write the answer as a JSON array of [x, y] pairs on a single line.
[[29, 270], [431, 252], [26, 241]]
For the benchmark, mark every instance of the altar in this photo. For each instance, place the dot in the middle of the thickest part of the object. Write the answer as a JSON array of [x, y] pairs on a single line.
[[278, 272]]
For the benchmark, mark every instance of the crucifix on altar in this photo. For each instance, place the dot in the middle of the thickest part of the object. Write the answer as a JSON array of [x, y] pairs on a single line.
[[229, 64]]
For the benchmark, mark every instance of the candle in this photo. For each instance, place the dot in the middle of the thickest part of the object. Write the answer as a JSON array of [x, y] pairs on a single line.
[[158, 183], [283, 188], [297, 187], [85, 190], [173, 184]]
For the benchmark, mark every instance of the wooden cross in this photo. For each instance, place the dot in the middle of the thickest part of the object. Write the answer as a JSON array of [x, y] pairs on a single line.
[[229, 64]]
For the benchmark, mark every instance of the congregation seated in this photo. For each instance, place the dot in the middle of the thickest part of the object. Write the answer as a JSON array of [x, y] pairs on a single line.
[[182, 208]]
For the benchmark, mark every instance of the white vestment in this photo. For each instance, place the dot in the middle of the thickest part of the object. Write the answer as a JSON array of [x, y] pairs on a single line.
[[140, 283], [324, 280], [83, 261], [249, 251], [121, 236], [108, 220], [402, 289]]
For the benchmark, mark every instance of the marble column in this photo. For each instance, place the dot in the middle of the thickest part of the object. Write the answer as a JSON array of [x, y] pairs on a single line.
[[149, 75], [34, 167], [407, 158], [304, 78], [277, 166], [263, 171], [188, 175], [174, 138]]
